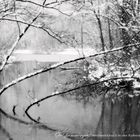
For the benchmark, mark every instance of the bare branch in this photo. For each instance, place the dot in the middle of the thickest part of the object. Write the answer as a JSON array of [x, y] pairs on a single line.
[[19, 31], [60, 11], [14, 110], [48, 30], [47, 5], [5, 10], [37, 4], [100, 30], [16, 42], [44, 3], [135, 70]]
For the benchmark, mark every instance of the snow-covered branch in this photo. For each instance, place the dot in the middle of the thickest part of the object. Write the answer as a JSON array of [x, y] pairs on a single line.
[[6, 58], [42, 70], [15, 44], [37, 125], [73, 89]]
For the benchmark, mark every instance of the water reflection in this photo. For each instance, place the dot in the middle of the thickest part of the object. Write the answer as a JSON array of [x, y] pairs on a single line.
[[98, 118]]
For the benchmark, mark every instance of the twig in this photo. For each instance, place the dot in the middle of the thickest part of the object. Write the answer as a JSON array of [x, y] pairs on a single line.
[[14, 110], [60, 11], [15, 44], [5, 10], [39, 126], [48, 31], [44, 5]]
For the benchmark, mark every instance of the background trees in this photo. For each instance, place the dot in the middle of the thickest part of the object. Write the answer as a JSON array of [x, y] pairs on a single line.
[[111, 28]]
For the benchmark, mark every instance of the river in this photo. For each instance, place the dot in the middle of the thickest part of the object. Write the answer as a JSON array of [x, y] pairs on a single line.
[[100, 118]]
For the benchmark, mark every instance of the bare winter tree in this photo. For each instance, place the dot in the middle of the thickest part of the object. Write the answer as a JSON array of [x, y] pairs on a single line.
[[26, 15]]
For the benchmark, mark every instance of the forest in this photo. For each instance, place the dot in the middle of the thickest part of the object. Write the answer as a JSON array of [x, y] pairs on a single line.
[[69, 69]]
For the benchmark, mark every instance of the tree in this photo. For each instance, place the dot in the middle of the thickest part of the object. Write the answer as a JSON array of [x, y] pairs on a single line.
[[113, 46]]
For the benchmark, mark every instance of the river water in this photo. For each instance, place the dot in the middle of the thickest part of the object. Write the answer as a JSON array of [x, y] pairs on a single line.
[[100, 118]]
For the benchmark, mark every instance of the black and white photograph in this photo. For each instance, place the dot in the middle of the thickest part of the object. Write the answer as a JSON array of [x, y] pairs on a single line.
[[69, 69]]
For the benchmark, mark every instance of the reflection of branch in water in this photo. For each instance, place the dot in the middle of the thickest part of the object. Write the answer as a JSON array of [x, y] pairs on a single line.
[[66, 92], [14, 110], [14, 118], [103, 111], [111, 118], [98, 125], [136, 118], [5, 132], [135, 122], [130, 117], [127, 116], [52, 67], [32, 96], [39, 126], [101, 121]]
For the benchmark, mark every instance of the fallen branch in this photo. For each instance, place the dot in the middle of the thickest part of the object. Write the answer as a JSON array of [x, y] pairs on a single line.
[[58, 65], [44, 5], [70, 90]]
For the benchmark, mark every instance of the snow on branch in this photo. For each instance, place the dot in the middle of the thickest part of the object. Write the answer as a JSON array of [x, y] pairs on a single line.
[[17, 40], [15, 44], [70, 90], [46, 69]]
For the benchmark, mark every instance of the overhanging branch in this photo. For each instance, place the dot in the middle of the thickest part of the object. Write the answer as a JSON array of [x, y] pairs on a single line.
[[70, 90], [14, 82]]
